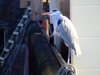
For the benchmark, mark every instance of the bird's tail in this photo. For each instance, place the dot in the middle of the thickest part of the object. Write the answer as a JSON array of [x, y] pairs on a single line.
[[78, 51]]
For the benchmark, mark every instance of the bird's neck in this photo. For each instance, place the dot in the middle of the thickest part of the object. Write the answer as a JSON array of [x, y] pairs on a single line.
[[55, 24], [55, 21]]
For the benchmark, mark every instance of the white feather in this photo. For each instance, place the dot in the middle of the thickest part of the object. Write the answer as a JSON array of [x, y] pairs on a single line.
[[66, 31]]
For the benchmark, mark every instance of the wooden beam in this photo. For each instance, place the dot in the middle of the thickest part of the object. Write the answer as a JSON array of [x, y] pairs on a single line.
[[46, 4], [44, 0], [65, 7], [37, 7], [23, 4]]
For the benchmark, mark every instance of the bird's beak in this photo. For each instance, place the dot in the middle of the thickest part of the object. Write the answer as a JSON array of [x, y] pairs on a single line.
[[47, 13]]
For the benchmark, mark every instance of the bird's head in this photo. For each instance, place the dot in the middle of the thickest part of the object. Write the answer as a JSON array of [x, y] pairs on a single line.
[[55, 14]]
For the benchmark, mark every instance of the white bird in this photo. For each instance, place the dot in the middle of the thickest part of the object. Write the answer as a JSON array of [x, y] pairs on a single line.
[[65, 29]]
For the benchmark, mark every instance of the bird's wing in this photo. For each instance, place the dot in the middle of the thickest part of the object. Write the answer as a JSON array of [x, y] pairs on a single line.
[[68, 33], [65, 31]]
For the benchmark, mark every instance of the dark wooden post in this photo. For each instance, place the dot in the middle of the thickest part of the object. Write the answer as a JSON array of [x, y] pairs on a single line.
[[46, 4], [65, 7], [37, 7], [23, 4]]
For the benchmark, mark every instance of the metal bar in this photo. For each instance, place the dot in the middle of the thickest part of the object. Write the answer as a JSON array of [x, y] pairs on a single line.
[[6, 50], [11, 41], [15, 33], [65, 67], [25, 16], [29, 8], [43, 31], [59, 58], [1, 58], [21, 24]]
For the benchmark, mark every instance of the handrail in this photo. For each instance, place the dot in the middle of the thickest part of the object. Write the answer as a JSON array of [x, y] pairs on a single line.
[[65, 68], [53, 48]]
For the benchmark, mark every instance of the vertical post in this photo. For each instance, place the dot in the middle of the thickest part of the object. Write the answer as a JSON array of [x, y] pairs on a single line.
[[37, 7], [65, 7], [47, 23], [61, 6], [23, 4], [46, 4], [55, 4]]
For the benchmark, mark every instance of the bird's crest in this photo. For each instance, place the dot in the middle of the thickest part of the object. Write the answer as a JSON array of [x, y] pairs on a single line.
[[54, 10]]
